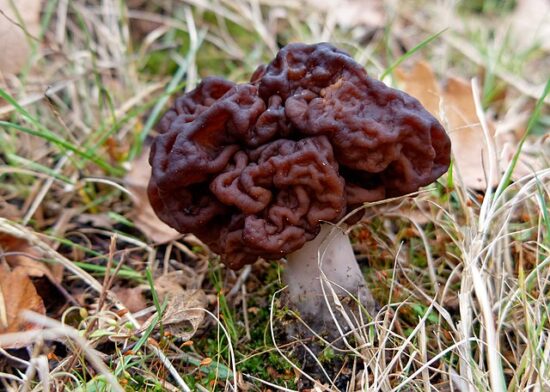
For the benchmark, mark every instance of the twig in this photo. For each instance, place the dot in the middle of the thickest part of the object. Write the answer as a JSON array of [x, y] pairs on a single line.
[[240, 281], [245, 314]]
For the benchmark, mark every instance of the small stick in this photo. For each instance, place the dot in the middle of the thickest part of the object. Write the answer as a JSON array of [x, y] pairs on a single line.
[[240, 281], [245, 314]]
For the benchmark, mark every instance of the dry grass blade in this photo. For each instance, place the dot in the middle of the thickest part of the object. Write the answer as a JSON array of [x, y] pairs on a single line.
[[54, 330], [19, 231]]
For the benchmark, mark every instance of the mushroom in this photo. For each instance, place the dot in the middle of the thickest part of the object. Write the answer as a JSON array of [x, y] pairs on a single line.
[[267, 168]]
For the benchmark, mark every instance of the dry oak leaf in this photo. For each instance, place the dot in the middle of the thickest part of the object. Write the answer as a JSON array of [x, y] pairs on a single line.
[[453, 104], [17, 293], [14, 44], [143, 215]]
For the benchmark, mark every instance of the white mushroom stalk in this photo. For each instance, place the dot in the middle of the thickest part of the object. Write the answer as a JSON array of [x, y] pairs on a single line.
[[325, 268]]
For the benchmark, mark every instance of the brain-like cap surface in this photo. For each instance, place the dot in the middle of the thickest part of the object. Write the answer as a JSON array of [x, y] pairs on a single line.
[[253, 168]]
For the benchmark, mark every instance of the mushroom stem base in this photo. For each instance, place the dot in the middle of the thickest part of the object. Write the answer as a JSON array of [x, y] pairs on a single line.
[[325, 284]]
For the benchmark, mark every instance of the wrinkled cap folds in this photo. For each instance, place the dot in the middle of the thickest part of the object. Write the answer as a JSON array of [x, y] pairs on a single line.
[[252, 168]]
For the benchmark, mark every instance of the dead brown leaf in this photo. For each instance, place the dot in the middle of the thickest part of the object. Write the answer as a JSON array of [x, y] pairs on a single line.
[[453, 104], [170, 284], [131, 297], [143, 215], [183, 315], [469, 147], [16, 33], [21, 254], [9, 211], [177, 281], [17, 294]]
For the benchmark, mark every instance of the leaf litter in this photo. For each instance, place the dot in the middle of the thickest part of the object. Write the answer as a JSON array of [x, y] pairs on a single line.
[[143, 216], [17, 294], [184, 303], [19, 253], [183, 315], [453, 104], [20, 265]]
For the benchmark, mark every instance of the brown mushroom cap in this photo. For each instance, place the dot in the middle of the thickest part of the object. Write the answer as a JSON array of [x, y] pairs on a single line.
[[252, 168]]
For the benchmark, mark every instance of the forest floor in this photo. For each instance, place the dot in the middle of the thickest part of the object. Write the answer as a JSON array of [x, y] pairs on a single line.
[[98, 294]]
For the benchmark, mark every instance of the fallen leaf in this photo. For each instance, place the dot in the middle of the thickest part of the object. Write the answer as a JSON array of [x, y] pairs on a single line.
[[178, 281], [9, 211], [21, 254], [14, 45], [143, 215], [453, 104], [17, 293], [170, 284], [131, 297], [420, 82], [183, 314], [468, 141]]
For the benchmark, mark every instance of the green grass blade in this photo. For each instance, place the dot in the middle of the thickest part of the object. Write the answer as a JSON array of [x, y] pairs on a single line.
[[20, 109], [105, 131], [409, 53], [155, 113], [48, 135], [507, 179], [52, 138], [545, 214], [154, 294], [124, 272], [47, 11], [18, 161]]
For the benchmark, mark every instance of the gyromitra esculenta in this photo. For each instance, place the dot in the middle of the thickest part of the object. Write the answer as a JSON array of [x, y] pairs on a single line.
[[253, 169]]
